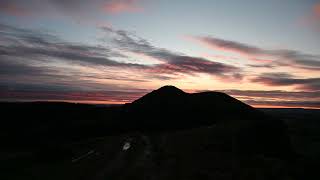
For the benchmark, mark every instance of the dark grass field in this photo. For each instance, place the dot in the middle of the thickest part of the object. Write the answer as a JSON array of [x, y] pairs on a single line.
[[144, 140]]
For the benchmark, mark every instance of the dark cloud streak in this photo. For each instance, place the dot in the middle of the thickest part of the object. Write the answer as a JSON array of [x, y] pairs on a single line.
[[282, 57], [73, 8], [306, 99], [172, 62], [39, 45], [284, 79]]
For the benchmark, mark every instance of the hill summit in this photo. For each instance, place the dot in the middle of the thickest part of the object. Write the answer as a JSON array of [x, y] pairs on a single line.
[[169, 109], [171, 101]]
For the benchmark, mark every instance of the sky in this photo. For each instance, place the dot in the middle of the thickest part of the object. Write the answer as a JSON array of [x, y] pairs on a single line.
[[265, 53]]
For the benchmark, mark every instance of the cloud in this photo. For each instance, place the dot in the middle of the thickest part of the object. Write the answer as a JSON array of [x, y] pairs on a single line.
[[290, 104], [42, 46], [226, 45], [105, 97], [277, 94], [22, 8], [279, 57], [260, 98], [297, 59], [43, 59], [24, 49], [7, 7], [284, 79], [74, 8], [27, 92], [316, 10], [120, 6], [172, 62], [10, 67], [189, 65], [312, 19], [261, 65], [49, 63]]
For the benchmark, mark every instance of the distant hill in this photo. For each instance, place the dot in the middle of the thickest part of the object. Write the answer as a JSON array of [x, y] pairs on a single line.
[[169, 108], [168, 134], [162, 110], [204, 107]]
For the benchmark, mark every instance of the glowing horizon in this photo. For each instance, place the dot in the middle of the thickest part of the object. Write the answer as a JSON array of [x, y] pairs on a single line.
[[265, 53]]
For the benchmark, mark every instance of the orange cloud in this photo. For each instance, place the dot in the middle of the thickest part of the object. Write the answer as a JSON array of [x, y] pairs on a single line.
[[316, 10], [313, 18], [119, 6]]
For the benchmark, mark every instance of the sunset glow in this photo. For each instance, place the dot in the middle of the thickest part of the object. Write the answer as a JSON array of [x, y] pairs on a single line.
[[113, 52]]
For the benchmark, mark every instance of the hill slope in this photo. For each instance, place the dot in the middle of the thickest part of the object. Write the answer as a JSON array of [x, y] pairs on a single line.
[[171, 135]]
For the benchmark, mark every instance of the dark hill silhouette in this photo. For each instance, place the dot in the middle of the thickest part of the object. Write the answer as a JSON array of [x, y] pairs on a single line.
[[170, 108], [167, 109], [172, 98], [171, 134], [162, 96]]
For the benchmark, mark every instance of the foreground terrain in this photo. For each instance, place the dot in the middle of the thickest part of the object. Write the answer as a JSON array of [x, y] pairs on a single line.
[[167, 134]]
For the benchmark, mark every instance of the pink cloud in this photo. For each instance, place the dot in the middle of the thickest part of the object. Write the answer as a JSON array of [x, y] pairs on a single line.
[[86, 97], [219, 57], [312, 19], [119, 6], [226, 45], [316, 10], [278, 57], [78, 9], [285, 79], [261, 60], [12, 9]]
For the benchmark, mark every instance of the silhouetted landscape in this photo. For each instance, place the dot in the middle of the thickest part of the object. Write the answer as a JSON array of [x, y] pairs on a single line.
[[159, 89], [166, 134]]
